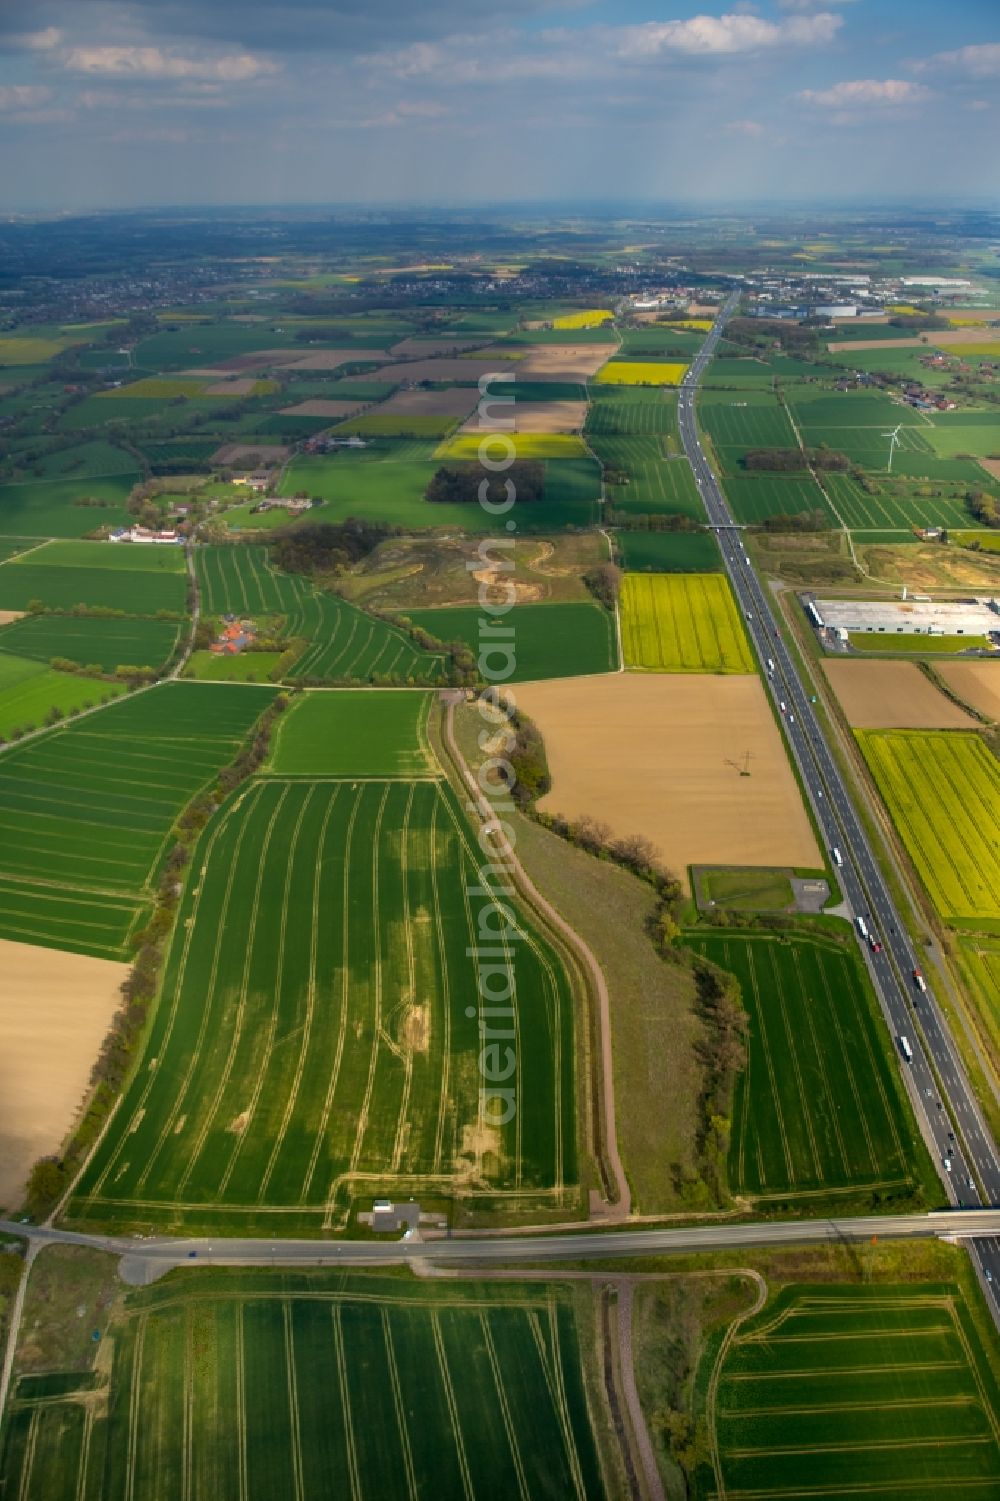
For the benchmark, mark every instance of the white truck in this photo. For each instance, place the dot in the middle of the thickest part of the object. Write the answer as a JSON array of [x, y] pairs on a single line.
[[905, 1049], [838, 858], [919, 980], [862, 927]]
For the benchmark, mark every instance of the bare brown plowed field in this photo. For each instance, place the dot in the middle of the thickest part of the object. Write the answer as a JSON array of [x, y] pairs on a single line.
[[563, 362], [421, 349], [255, 359], [55, 1009], [457, 401], [238, 453], [467, 371], [242, 385], [977, 682], [892, 696], [536, 417], [992, 467], [331, 359], [662, 756], [903, 343], [319, 407]]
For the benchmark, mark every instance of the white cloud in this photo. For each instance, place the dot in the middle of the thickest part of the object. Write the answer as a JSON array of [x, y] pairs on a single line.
[[725, 36], [863, 93], [33, 41], [22, 95], [981, 61], [751, 128], [155, 62]]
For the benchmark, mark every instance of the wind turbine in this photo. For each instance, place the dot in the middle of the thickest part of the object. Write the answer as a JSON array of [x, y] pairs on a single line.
[[893, 444]]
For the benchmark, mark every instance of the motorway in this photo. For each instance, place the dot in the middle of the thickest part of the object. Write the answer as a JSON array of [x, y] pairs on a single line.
[[945, 1105]]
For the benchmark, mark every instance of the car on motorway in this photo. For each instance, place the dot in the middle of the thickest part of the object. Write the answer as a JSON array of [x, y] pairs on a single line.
[[947, 1164], [875, 943]]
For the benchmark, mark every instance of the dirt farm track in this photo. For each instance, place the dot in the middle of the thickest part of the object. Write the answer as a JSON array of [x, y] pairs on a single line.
[[684, 739]]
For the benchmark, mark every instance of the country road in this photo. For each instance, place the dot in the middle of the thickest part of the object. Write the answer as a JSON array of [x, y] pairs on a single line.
[[147, 1258]]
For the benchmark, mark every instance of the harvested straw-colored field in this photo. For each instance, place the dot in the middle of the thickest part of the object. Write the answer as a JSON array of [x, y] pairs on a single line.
[[535, 417], [563, 362], [892, 696], [55, 1009], [992, 467], [662, 756], [978, 683], [7, 617]]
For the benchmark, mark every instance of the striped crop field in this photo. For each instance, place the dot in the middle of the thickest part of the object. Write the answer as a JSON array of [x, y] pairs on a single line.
[[252, 1386], [819, 1107], [86, 811], [943, 791], [642, 478], [350, 732], [333, 1051], [682, 622], [343, 643], [629, 411], [107, 642], [859, 1391]]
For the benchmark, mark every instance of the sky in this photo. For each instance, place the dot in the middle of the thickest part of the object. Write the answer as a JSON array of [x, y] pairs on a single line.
[[466, 102]]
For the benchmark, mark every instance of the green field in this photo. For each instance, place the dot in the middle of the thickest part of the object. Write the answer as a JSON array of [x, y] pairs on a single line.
[[29, 691], [744, 420], [684, 622], [332, 1052], [91, 640], [943, 791], [245, 667], [913, 644], [343, 642], [60, 586], [388, 483], [754, 497], [257, 1386], [653, 483], [626, 411], [128, 556], [819, 1108], [52, 508], [897, 503], [668, 552], [548, 641], [87, 810], [746, 888], [347, 732], [860, 1391]]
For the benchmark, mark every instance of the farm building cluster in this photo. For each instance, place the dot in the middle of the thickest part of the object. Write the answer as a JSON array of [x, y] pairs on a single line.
[[236, 635]]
